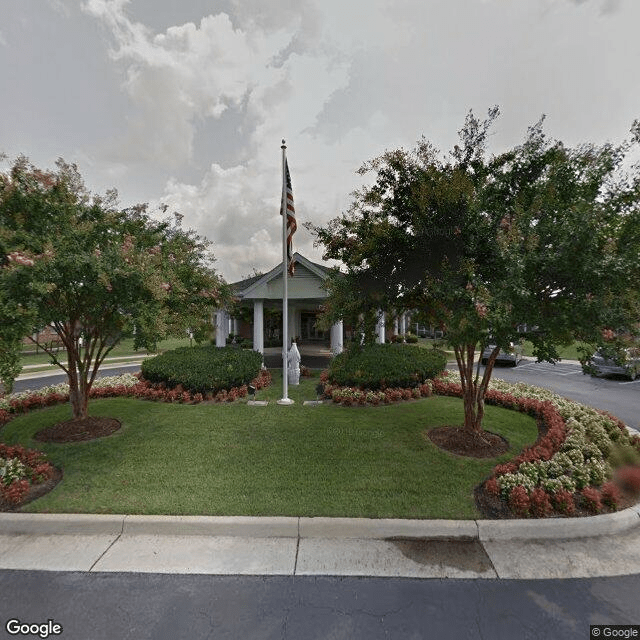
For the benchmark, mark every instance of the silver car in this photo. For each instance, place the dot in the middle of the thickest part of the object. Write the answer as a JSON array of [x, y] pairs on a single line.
[[626, 362], [512, 356]]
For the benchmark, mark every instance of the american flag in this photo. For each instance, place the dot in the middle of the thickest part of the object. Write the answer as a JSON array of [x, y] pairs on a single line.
[[291, 221]]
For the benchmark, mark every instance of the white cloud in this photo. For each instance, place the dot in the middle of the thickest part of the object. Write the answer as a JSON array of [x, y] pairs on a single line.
[[237, 210], [342, 82], [188, 73], [179, 77]]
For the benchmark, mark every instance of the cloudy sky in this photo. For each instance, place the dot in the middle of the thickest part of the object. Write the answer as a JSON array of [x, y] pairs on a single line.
[[186, 103]]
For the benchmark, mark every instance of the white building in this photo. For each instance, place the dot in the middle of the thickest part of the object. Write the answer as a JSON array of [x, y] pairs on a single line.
[[260, 301]]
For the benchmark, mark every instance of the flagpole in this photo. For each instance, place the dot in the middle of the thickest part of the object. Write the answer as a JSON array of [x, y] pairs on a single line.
[[285, 284]]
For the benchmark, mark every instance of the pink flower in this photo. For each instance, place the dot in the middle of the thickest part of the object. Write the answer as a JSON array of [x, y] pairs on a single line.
[[20, 258], [608, 334]]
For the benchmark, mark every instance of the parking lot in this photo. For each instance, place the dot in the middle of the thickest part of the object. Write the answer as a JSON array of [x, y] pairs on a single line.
[[619, 396]]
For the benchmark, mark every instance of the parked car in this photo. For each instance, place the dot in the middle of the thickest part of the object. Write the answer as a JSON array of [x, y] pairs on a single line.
[[608, 361], [512, 356]]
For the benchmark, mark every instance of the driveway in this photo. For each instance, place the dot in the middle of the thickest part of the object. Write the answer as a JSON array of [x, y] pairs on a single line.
[[616, 395]]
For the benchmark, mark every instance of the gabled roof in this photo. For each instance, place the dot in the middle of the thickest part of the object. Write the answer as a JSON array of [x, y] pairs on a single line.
[[243, 288]]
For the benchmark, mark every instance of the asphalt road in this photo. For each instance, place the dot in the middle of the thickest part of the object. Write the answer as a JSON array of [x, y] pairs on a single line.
[[618, 396], [172, 607]]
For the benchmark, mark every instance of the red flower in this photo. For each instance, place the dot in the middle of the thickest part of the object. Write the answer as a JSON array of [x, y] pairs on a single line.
[[540, 503], [610, 495], [491, 485], [563, 502], [519, 501], [591, 498]]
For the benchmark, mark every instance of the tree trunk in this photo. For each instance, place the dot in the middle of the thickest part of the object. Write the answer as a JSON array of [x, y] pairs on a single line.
[[79, 401], [78, 392], [473, 388]]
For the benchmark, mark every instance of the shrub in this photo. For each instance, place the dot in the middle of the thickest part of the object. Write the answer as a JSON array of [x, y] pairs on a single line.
[[492, 487], [563, 501], [629, 478], [610, 495], [540, 503], [203, 369], [519, 501], [591, 499], [19, 468], [380, 366], [15, 492]]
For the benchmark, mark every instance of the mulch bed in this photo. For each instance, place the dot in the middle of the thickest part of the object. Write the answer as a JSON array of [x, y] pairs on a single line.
[[462, 442], [78, 430]]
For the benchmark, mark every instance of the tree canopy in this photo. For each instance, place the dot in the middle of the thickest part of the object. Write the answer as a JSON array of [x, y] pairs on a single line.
[[94, 272], [541, 235]]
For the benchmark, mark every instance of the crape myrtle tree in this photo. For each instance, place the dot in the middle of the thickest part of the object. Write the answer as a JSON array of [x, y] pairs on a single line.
[[540, 235], [93, 272]]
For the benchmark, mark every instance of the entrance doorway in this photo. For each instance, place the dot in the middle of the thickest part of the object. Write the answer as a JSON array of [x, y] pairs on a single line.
[[310, 330]]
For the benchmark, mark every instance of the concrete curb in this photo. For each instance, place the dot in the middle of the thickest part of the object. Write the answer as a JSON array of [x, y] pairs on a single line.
[[334, 528], [235, 526], [384, 529], [560, 528], [60, 524]]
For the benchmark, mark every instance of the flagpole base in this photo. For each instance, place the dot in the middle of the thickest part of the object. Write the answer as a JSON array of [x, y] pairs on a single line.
[[285, 401]]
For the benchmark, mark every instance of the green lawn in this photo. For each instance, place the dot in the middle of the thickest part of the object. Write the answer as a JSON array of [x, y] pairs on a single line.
[[233, 459], [569, 352]]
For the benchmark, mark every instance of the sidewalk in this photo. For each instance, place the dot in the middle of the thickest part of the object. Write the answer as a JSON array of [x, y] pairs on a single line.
[[604, 545]]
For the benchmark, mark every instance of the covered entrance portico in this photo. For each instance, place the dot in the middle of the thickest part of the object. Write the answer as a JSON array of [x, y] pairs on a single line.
[[260, 316]]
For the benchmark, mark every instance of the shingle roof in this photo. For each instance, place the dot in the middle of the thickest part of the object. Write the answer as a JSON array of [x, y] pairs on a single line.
[[241, 285]]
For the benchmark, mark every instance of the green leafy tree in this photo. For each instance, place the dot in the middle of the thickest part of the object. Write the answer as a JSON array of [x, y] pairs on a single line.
[[93, 272], [480, 245]]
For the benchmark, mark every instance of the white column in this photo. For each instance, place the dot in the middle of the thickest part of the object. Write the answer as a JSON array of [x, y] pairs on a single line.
[[380, 329], [403, 324], [396, 326], [291, 325], [298, 317], [337, 344], [222, 327], [258, 326]]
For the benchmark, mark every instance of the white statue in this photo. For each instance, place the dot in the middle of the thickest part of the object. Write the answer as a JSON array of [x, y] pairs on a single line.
[[293, 364]]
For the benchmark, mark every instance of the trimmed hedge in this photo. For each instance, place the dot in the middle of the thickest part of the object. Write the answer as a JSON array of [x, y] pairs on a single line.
[[379, 366], [203, 369]]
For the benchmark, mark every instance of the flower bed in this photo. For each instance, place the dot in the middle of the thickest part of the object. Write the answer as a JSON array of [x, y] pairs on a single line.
[[347, 396], [584, 459], [123, 385], [20, 469]]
